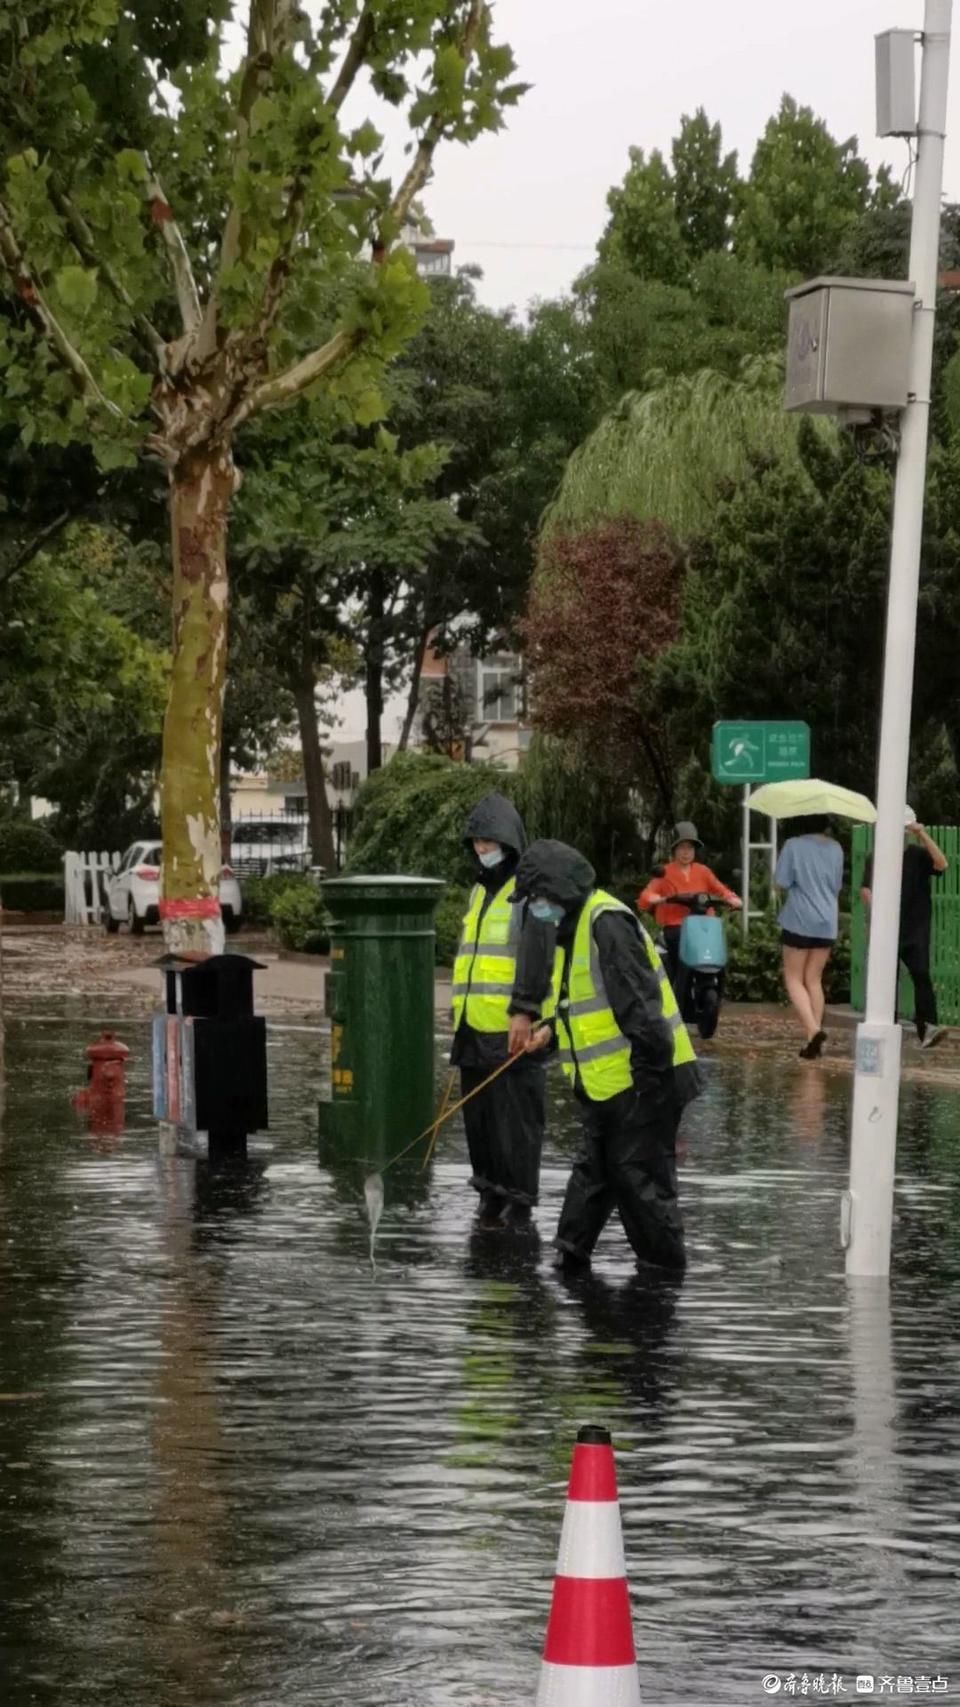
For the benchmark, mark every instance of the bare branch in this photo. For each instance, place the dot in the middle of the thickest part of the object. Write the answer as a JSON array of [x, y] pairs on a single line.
[[28, 552], [184, 282], [45, 321], [279, 273], [353, 59], [85, 244], [284, 387], [269, 27], [423, 159]]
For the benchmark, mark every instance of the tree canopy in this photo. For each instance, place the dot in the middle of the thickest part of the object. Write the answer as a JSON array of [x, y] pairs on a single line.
[[185, 246]]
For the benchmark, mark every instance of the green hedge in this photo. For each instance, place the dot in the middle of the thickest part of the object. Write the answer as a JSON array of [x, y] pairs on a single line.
[[260, 893], [754, 971], [28, 847], [449, 917], [32, 892], [300, 919], [410, 816]]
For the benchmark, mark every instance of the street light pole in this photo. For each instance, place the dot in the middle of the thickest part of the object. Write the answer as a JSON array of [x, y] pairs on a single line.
[[868, 1206]]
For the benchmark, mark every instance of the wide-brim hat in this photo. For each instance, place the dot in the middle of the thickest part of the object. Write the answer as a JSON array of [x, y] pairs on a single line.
[[685, 832]]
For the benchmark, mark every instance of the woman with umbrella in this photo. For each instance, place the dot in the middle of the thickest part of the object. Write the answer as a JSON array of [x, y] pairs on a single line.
[[810, 872], [810, 875]]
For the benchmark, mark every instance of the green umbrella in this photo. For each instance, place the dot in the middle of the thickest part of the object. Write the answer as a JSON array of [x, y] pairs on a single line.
[[811, 798]]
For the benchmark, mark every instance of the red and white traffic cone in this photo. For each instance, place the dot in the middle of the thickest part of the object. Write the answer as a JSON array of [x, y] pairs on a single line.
[[589, 1658]]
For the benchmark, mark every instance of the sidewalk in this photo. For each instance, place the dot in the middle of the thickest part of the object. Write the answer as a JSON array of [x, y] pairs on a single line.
[[120, 975]]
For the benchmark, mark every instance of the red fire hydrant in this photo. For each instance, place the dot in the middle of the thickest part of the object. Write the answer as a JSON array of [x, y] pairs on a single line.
[[103, 1098]]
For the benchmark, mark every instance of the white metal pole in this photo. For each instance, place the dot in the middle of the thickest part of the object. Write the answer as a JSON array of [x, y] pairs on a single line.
[[868, 1208], [773, 855], [745, 862]]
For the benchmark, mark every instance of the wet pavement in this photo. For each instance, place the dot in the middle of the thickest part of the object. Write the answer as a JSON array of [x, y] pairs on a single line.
[[240, 1465]]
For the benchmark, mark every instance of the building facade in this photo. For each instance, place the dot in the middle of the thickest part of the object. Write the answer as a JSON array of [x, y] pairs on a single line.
[[477, 706]]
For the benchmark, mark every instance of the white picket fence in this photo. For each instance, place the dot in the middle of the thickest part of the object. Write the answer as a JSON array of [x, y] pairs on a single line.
[[85, 886]]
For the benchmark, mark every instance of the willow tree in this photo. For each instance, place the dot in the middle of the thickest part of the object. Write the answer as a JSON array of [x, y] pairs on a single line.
[[667, 453], [185, 247]]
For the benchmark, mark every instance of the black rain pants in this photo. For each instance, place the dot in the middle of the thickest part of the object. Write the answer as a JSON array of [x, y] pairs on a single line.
[[626, 1161]]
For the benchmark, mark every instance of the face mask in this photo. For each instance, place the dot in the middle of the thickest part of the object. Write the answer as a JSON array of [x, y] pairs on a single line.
[[491, 859], [547, 912]]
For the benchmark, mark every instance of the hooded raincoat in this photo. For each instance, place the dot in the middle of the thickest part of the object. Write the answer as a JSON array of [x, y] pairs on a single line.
[[505, 1123], [627, 1157]]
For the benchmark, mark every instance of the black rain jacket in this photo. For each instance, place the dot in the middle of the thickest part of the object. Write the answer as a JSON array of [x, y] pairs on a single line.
[[496, 819], [559, 873]]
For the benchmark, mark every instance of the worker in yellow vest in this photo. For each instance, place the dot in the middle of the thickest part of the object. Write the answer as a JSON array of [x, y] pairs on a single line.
[[501, 989], [625, 1050]]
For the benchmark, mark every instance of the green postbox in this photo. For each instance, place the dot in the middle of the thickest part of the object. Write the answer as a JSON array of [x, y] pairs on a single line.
[[380, 1004]]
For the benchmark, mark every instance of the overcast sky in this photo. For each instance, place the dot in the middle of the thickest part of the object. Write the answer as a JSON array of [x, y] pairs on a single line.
[[529, 204]]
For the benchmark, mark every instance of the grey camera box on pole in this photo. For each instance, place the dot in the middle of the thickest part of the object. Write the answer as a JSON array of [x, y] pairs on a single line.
[[896, 83], [848, 345]]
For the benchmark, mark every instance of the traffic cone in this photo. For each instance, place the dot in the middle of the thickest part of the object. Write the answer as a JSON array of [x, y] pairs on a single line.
[[588, 1657]]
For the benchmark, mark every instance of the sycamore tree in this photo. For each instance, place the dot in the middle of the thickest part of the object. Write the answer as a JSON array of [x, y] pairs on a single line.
[[184, 246]]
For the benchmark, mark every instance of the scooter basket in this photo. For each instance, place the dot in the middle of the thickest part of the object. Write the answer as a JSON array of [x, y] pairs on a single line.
[[703, 944]]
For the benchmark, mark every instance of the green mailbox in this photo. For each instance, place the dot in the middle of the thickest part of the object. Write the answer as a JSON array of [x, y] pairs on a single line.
[[380, 1004]]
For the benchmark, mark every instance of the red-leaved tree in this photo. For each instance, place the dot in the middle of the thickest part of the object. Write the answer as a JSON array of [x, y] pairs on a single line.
[[605, 604]]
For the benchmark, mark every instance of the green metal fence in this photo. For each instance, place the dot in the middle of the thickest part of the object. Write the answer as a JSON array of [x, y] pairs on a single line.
[[945, 939]]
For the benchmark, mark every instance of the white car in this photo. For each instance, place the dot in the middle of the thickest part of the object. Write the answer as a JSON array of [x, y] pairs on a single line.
[[133, 892]]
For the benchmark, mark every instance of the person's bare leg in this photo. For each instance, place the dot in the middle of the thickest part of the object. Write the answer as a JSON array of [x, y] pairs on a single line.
[[813, 980], [794, 964]]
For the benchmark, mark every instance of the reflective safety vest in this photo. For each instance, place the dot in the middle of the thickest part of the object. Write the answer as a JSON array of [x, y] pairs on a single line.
[[485, 969], [592, 1046]]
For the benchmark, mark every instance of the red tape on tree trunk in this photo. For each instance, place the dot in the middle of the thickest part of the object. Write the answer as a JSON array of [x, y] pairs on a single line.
[[206, 909]]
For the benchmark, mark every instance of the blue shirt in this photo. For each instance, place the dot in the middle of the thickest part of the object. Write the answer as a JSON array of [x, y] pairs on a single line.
[[810, 869]]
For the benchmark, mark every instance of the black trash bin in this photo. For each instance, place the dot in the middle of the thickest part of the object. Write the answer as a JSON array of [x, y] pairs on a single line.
[[210, 1051]]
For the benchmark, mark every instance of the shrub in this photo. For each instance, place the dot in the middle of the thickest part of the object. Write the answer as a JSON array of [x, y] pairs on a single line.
[[565, 794], [449, 916], [260, 893], [754, 968], [300, 919], [32, 892], [410, 815], [27, 847]]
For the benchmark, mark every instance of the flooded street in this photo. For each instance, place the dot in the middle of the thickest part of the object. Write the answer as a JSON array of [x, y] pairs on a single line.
[[241, 1464]]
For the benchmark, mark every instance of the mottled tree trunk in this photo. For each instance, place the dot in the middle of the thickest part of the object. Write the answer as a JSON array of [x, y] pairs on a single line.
[[202, 488], [314, 775], [376, 601], [226, 810], [413, 696]]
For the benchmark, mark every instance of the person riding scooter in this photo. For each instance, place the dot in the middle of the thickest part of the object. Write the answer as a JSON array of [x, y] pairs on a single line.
[[682, 876]]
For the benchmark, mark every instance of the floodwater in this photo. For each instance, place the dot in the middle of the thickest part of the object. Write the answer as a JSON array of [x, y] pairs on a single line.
[[239, 1465]]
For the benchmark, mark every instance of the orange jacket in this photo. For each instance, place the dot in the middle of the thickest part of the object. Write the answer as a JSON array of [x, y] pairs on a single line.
[[692, 879]]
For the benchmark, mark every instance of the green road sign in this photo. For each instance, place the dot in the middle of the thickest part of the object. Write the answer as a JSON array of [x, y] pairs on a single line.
[[760, 752]]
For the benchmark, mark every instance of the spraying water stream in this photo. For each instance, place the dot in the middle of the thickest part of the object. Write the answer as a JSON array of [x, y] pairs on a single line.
[[373, 1197]]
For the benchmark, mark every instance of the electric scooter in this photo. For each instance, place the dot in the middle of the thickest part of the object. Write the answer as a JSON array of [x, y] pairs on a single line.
[[703, 957]]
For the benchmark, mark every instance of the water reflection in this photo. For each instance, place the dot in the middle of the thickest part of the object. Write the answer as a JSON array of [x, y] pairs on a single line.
[[257, 1471]]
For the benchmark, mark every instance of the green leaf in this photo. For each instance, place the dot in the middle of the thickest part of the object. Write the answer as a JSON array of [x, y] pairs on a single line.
[[366, 139], [131, 165], [264, 113], [111, 454], [77, 289]]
